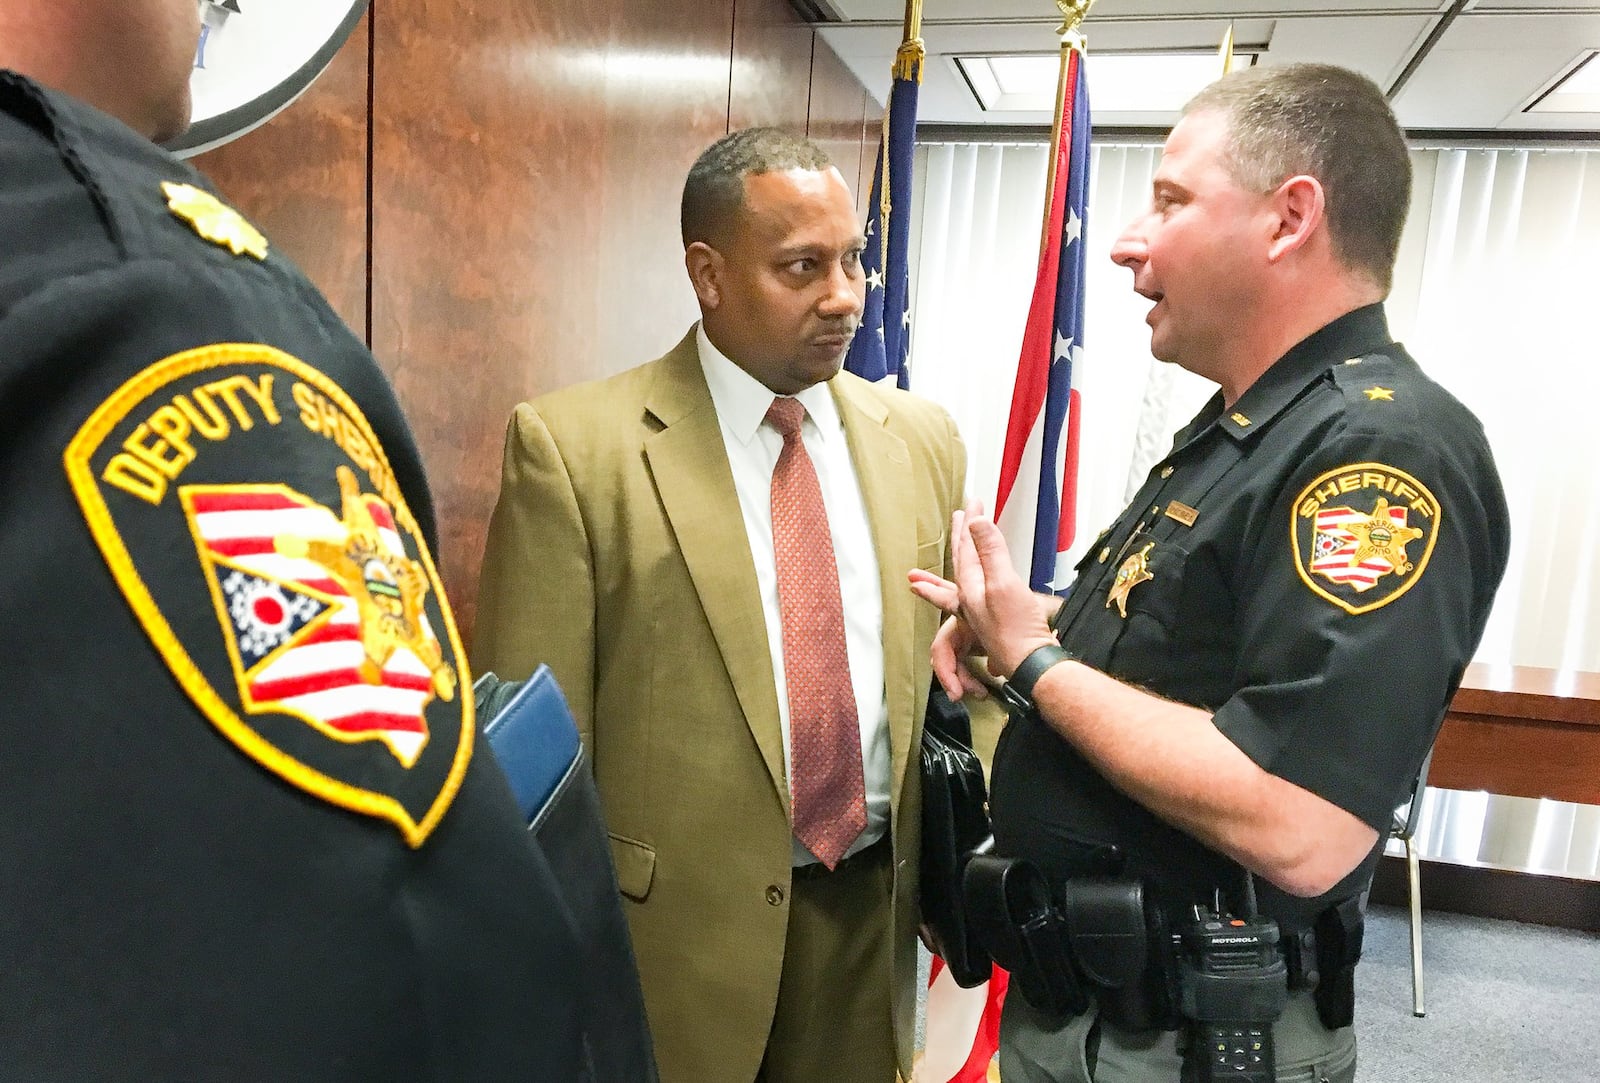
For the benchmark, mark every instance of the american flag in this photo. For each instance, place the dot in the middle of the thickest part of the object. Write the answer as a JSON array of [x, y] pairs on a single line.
[[879, 350], [1335, 546], [294, 630], [1036, 505]]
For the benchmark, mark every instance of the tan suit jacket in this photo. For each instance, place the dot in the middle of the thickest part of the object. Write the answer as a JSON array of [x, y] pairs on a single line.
[[618, 555]]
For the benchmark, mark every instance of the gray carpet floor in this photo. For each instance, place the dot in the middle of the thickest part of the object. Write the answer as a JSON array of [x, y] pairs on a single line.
[[1506, 1002]]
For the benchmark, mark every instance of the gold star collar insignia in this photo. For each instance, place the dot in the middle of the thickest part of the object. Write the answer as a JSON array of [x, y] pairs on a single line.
[[1376, 394], [214, 220]]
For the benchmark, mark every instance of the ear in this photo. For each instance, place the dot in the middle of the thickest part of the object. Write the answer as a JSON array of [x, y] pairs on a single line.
[[704, 264], [1298, 206]]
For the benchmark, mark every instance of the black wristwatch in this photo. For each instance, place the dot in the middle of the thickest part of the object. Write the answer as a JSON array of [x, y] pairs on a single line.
[[1018, 691]]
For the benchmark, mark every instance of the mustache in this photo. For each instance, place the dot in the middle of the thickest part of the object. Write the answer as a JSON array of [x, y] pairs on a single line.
[[845, 327]]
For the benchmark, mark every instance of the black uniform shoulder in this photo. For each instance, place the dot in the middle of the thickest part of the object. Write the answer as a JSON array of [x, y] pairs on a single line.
[[84, 195], [1388, 392], [55, 217]]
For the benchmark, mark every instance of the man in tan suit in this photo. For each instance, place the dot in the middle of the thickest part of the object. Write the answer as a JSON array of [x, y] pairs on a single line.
[[635, 548]]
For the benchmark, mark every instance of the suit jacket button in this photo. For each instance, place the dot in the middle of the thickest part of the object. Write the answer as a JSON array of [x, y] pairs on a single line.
[[774, 895]]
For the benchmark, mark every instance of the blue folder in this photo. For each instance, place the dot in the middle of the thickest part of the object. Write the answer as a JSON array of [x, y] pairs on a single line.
[[536, 741]]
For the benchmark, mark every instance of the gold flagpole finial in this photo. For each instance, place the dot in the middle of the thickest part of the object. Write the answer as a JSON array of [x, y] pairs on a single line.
[[1225, 51], [1073, 12]]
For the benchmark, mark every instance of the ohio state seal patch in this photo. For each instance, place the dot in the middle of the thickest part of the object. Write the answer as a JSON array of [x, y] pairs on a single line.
[[1363, 533], [250, 517]]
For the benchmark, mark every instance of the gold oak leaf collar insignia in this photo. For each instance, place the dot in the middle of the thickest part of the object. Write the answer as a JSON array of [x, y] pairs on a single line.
[[1134, 570], [214, 220]]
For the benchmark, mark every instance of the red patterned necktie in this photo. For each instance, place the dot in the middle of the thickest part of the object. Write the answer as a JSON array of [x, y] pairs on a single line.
[[825, 776]]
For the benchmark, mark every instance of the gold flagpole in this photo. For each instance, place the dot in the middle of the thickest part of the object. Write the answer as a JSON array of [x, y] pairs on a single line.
[[907, 65], [913, 29], [1225, 51], [1073, 12]]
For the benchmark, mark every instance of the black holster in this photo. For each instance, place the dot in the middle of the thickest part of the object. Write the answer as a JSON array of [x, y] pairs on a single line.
[[1339, 932], [1094, 935], [1010, 908]]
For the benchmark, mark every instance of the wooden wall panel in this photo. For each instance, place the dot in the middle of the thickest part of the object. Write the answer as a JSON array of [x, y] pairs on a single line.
[[525, 221], [527, 163], [771, 77], [302, 179], [838, 114], [666, 101]]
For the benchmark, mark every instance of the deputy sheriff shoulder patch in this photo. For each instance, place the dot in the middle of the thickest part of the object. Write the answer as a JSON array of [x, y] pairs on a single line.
[[1363, 534], [251, 518]]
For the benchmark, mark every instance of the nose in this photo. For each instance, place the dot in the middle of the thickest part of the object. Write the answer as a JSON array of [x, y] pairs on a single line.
[[845, 292], [1129, 249]]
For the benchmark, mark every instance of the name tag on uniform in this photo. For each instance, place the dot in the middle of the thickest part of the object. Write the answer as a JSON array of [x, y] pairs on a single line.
[[1182, 512]]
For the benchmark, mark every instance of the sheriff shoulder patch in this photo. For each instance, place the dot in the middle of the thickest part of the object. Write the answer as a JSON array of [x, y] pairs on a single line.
[[251, 518], [1362, 534]]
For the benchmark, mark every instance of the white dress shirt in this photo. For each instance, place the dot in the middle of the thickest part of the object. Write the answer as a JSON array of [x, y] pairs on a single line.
[[741, 403]]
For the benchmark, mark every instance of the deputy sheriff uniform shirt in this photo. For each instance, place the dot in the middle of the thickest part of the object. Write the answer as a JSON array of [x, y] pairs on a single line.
[[245, 831], [1315, 565]]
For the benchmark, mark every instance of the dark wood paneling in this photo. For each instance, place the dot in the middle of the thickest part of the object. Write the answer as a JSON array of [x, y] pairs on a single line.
[[1522, 731], [666, 101], [838, 113], [529, 160], [771, 81], [302, 179]]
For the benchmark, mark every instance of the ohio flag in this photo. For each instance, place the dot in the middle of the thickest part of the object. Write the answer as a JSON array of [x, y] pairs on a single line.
[[1035, 506]]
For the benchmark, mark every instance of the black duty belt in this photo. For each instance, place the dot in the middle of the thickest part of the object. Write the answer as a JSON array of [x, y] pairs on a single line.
[[1107, 940]]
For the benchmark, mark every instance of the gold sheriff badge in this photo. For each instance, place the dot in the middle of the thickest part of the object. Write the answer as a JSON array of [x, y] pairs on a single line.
[[388, 589], [1134, 570]]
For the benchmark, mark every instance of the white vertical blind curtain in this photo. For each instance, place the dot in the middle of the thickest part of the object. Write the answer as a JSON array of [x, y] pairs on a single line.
[[972, 279], [1497, 293]]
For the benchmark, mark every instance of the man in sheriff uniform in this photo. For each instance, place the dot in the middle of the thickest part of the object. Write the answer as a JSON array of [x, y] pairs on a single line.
[[1255, 657], [247, 833]]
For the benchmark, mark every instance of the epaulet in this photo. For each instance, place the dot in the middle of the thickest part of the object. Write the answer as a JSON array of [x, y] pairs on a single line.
[[1376, 382], [136, 197], [55, 220]]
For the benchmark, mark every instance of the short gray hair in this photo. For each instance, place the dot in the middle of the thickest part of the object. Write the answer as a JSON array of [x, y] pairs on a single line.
[[1329, 123]]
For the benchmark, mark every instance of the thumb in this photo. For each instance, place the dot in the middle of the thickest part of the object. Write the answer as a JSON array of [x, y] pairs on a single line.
[[993, 554]]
